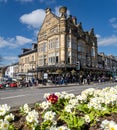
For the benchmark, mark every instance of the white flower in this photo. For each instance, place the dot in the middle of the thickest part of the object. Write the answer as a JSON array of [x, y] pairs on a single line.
[[63, 128], [104, 124], [82, 98], [69, 108], [87, 118], [25, 108], [1, 124], [5, 125], [112, 125], [46, 95], [89, 91], [59, 128], [69, 96], [53, 128], [49, 115], [58, 94], [4, 109], [73, 102], [35, 113], [29, 118], [32, 117], [108, 125], [45, 104], [9, 117]]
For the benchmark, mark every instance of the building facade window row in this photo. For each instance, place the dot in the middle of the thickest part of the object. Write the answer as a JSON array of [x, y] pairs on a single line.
[[63, 43]]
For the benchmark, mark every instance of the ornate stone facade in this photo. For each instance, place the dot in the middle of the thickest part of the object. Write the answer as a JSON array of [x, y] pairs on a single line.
[[62, 42], [63, 46]]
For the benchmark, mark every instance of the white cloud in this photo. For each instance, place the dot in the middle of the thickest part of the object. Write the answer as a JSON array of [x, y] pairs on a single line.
[[36, 31], [98, 36], [33, 19], [25, 0], [13, 58], [22, 40], [57, 10], [10, 59], [14, 42], [36, 17], [114, 25], [108, 41], [3, 42], [47, 2], [11, 43], [113, 22], [3, 1]]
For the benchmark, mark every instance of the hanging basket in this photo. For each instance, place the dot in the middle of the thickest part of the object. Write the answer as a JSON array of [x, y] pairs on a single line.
[[73, 72], [59, 71]]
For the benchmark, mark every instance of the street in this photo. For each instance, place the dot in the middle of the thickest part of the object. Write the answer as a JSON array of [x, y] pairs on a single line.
[[17, 97]]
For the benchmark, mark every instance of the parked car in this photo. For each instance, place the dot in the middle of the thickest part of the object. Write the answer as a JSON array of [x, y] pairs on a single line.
[[22, 84], [1, 85], [115, 78], [13, 84]]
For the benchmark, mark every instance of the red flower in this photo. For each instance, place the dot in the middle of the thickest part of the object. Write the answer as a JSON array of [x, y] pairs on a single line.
[[52, 98]]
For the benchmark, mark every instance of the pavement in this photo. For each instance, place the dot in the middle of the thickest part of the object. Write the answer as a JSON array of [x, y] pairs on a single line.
[[51, 85], [56, 85]]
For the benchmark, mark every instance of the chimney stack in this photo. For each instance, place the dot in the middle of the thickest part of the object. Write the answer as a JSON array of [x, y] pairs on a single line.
[[74, 20], [48, 10]]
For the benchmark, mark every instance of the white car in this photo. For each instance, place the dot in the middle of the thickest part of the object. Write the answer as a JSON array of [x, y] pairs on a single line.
[[115, 78]]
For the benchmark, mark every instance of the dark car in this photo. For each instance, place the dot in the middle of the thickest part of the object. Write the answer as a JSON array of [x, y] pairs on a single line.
[[22, 84]]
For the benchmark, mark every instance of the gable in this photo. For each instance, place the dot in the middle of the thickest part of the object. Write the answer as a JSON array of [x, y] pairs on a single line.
[[49, 21]]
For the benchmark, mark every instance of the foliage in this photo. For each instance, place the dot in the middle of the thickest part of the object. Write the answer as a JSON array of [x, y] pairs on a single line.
[[66, 111]]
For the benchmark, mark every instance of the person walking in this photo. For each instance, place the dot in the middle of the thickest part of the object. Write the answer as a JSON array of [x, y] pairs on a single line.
[[88, 79]]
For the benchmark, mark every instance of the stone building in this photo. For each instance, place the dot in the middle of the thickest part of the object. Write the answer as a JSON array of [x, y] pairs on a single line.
[[28, 62], [62, 43], [107, 64], [63, 47]]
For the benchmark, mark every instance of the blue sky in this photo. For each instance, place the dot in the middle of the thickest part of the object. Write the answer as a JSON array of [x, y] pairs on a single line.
[[20, 21]]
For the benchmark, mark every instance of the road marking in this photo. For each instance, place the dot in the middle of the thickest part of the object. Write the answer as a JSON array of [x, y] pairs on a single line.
[[13, 97]]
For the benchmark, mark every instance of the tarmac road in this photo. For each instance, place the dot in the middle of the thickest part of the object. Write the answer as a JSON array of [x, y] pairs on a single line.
[[16, 97]]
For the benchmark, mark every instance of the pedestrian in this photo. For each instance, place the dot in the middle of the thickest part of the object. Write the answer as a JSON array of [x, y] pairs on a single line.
[[88, 79], [99, 79], [30, 84]]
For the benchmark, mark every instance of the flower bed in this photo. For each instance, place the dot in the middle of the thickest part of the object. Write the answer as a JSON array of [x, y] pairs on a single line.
[[93, 109]]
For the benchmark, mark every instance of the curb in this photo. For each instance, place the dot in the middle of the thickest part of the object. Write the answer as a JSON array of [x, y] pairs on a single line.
[[54, 86], [41, 86]]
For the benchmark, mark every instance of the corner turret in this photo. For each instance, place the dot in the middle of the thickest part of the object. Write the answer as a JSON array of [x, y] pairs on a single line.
[[63, 12]]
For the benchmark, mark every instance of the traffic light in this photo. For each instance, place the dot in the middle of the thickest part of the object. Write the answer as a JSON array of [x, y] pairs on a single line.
[[78, 65]]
